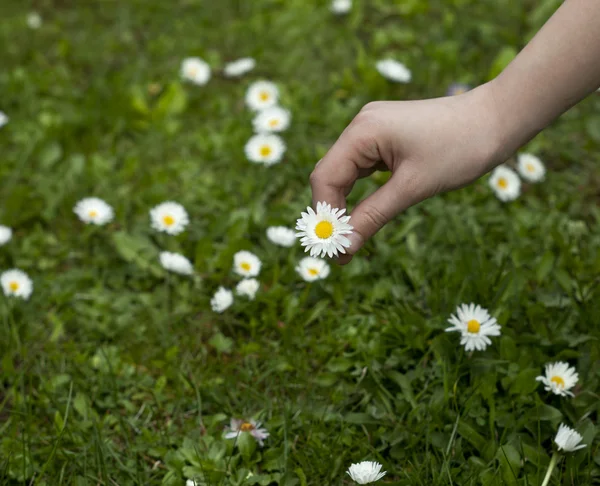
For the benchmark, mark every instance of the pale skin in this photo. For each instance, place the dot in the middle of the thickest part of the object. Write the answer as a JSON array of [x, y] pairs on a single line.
[[437, 145]]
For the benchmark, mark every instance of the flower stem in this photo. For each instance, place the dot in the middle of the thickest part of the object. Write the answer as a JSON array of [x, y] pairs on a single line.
[[550, 469]]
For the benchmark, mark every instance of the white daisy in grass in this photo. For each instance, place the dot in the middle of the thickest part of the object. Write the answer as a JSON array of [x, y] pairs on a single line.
[[16, 283], [93, 210], [505, 183], [261, 95], [5, 234], [265, 148], [365, 472], [394, 71], [340, 7], [175, 262], [246, 264], [282, 236], [169, 217], [475, 325], [559, 378], [3, 119], [273, 119], [191, 482], [195, 70], [568, 440], [252, 427], [312, 269], [530, 167], [248, 288], [222, 300], [239, 67], [322, 232], [34, 20]]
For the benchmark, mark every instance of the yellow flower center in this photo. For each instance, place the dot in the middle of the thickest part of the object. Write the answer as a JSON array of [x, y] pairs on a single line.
[[473, 326], [192, 71], [264, 96], [14, 286], [93, 213], [246, 427], [530, 167], [168, 220], [265, 151], [558, 380], [502, 183], [313, 271], [324, 229], [458, 91], [273, 123], [245, 266]]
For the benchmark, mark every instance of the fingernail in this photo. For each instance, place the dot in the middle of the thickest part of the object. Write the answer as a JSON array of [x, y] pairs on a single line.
[[356, 241]]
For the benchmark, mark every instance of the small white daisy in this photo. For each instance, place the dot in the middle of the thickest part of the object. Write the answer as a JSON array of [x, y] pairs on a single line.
[[261, 95], [340, 7], [282, 236], [505, 183], [175, 262], [170, 217], [365, 472], [222, 300], [311, 269], [239, 67], [34, 20], [16, 283], [322, 232], [273, 119], [191, 482], [248, 288], [265, 148], [531, 167], [246, 264], [559, 379], [568, 439], [475, 325], [5, 234], [3, 119], [394, 71], [237, 426], [195, 70], [93, 210]]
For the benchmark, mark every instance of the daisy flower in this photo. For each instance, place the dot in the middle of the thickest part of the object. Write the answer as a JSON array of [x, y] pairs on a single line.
[[273, 119], [239, 67], [365, 472], [170, 217], [246, 264], [340, 7], [248, 288], [191, 482], [505, 183], [394, 71], [559, 379], [322, 232], [3, 119], [93, 210], [282, 236], [16, 283], [311, 269], [568, 439], [265, 148], [475, 325], [195, 70], [34, 20], [175, 262], [253, 427], [530, 167], [457, 88], [222, 300], [5, 234], [261, 95]]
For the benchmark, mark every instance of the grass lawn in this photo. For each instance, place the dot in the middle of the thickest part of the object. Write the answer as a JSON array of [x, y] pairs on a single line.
[[117, 373]]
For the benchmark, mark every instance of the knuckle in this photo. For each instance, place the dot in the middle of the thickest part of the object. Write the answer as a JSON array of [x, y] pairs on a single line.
[[374, 216], [315, 177], [372, 106]]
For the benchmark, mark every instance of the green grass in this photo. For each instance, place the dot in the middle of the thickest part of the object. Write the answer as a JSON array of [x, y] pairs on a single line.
[[114, 374]]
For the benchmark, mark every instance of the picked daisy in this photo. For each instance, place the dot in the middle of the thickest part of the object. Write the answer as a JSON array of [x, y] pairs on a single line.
[[6, 235], [365, 472], [530, 167], [273, 119], [265, 148], [93, 210], [169, 217], [311, 269], [246, 264], [322, 232], [340, 7], [568, 440], [394, 71], [34, 20], [261, 95], [559, 378], [238, 426], [176, 263], [475, 325], [248, 288], [239, 67], [16, 283], [282, 236], [505, 183], [3, 119], [457, 89], [195, 70], [222, 300]]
